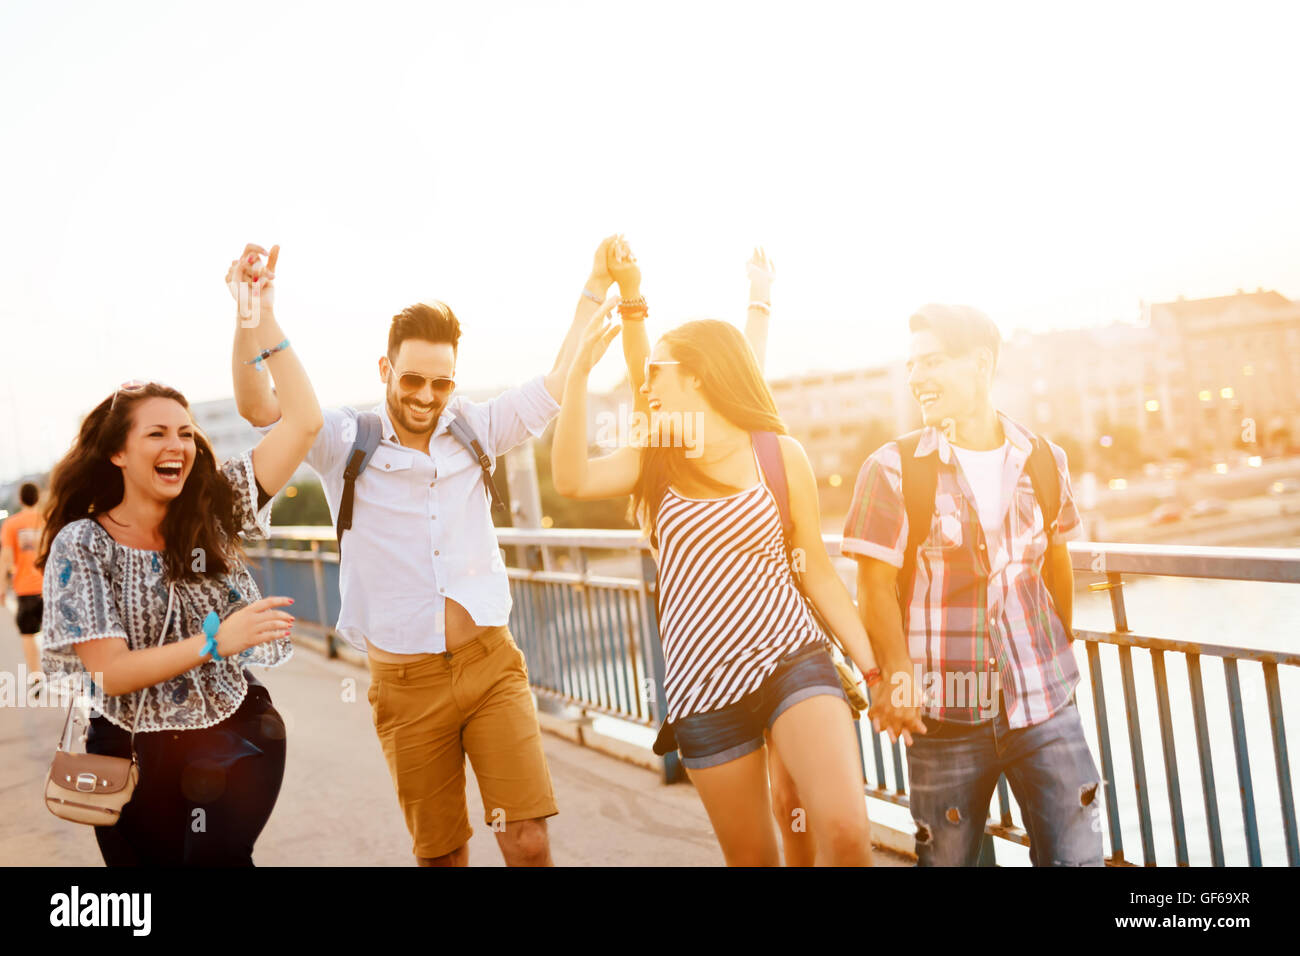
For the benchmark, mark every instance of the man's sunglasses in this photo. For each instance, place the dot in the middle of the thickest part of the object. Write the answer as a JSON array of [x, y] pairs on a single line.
[[414, 382]]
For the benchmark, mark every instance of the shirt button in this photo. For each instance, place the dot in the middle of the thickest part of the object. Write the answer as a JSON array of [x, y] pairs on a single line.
[[432, 483], [992, 661], [385, 466], [437, 552]]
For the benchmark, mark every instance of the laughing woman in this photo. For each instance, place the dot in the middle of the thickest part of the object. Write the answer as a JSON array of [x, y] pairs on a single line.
[[147, 591], [743, 655]]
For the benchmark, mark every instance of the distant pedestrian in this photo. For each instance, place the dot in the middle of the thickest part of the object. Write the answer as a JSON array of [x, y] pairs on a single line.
[[20, 541]]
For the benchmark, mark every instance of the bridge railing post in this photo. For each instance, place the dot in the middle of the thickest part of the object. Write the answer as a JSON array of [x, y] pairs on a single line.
[[654, 649]]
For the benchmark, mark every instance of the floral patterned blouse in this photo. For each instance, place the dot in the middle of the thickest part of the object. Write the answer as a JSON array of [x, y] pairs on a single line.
[[97, 588]]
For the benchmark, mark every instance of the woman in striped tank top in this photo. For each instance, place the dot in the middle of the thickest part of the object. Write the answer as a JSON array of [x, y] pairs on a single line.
[[745, 661]]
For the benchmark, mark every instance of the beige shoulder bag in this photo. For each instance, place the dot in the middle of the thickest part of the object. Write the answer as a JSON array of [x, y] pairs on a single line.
[[92, 788]]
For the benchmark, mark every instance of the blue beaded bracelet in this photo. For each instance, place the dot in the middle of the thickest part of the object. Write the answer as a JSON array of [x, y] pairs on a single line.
[[211, 624], [266, 354]]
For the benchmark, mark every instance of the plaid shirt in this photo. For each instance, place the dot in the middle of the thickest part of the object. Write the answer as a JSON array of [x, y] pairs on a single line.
[[980, 618]]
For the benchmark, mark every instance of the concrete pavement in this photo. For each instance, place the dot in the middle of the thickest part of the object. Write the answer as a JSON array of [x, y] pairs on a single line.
[[337, 806]]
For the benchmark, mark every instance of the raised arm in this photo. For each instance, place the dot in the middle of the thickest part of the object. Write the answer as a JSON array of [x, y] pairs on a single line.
[[636, 342], [759, 310], [597, 285], [294, 408], [574, 474]]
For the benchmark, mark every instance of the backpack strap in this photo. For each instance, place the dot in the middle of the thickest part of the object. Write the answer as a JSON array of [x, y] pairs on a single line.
[[1047, 482], [1047, 489], [920, 479], [465, 435], [369, 432]]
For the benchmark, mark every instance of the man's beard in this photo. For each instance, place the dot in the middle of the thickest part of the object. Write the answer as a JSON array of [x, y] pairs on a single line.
[[400, 412]]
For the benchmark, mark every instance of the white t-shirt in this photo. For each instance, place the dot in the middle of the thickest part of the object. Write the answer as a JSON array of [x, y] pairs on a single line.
[[983, 470]]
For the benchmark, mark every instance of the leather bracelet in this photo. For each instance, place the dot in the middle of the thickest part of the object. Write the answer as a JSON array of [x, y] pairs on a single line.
[[211, 624], [872, 677], [762, 306]]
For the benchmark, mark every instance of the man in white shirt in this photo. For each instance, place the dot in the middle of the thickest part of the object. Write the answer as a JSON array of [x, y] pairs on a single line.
[[424, 588]]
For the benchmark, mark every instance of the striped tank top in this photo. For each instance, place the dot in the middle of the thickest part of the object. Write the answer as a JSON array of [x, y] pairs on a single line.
[[729, 609]]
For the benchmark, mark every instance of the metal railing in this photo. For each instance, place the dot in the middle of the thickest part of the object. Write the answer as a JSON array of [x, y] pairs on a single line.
[[584, 615]]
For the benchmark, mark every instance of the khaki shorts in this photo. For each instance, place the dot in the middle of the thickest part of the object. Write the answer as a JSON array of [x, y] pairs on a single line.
[[433, 712]]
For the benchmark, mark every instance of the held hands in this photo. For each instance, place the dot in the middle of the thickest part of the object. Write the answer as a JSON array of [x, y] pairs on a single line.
[[258, 623], [622, 266], [896, 705], [251, 283], [761, 274], [595, 338]]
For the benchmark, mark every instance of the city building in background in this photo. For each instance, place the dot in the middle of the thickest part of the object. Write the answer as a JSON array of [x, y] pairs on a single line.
[[1203, 380], [1196, 379], [842, 417]]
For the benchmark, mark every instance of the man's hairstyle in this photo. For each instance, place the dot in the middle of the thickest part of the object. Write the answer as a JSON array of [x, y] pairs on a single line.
[[29, 494], [960, 328], [432, 322]]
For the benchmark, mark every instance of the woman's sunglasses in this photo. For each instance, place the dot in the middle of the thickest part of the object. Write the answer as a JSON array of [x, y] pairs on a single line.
[[652, 367], [414, 382], [132, 387]]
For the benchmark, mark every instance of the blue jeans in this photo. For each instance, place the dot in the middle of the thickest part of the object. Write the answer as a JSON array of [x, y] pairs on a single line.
[[954, 768]]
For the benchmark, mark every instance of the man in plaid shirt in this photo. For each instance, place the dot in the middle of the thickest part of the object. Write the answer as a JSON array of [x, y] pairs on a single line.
[[980, 665]]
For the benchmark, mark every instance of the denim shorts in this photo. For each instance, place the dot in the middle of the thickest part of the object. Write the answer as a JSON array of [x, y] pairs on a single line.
[[715, 737]]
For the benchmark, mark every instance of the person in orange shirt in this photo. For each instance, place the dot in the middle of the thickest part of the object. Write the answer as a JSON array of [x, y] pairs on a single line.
[[20, 539]]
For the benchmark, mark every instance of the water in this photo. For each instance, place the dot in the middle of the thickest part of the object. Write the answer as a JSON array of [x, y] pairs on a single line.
[[1263, 616]]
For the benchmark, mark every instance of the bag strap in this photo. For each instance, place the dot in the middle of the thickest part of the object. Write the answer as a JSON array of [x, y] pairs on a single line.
[[920, 477], [465, 435], [767, 446], [162, 639], [369, 431]]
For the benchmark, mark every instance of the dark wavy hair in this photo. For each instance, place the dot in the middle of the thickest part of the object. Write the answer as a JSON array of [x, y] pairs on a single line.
[[731, 382], [85, 483], [430, 322]]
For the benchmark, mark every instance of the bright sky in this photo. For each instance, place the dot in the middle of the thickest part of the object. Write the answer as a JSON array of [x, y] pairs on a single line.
[[1050, 163]]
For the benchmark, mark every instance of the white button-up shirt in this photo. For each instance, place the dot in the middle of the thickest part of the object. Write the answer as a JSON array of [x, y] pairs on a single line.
[[421, 524]]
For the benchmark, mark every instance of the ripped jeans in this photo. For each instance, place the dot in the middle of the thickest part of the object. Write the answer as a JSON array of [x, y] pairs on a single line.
[[953, 770]]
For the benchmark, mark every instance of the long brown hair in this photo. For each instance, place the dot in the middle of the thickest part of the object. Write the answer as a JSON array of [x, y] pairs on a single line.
[[718, 355], [86, 483]]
